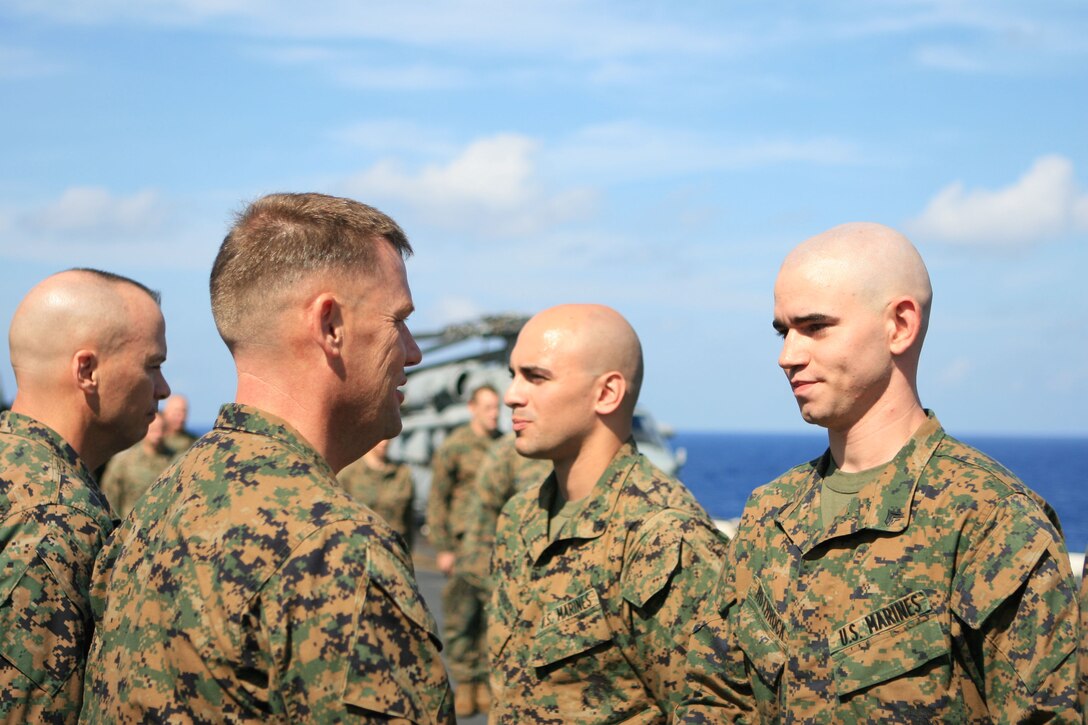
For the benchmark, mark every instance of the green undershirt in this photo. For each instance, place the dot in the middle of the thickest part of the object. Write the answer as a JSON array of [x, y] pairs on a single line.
[[559, 513], [840, 488]]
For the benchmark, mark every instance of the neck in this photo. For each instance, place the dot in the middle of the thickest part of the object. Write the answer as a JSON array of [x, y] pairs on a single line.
[[578, 474], [877, 438], [294, 405], [59, 416]]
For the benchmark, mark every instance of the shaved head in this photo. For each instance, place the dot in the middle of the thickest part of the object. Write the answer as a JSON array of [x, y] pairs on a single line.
[[852, 306], [87, 349], [577, 371], [68, 311], [595, 338], [873, 262]]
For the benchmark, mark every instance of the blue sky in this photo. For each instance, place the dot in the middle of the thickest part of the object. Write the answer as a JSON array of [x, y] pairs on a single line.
[[658, 157]]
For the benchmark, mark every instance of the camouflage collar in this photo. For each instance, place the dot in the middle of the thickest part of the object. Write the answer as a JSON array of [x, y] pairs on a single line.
[[248, 419], [883, 505], [592, 519], [26, 427]]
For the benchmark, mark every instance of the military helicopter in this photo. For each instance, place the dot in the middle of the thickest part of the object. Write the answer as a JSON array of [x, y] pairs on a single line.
[[460, 358]]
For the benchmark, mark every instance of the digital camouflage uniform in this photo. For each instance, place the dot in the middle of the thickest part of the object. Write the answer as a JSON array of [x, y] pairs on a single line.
[[53, 522], [941, 594], [1082, 651], [247, 586], [454, 467], [503, 473], [592, 627], [389, 491], [130, 473]]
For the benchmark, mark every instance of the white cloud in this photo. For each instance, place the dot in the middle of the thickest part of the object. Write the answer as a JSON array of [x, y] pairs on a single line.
[[633, 150], [95, 211], [956, 372], [88, 225], [951, 58], [451, 310], [490, 187], [400, 135], [1041, 204], [20, 63]]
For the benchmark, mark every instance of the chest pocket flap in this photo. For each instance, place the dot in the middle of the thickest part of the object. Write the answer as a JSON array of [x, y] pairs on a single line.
[[411, 683], [652, 565], [42, 631], [886, 643], [570, 627]]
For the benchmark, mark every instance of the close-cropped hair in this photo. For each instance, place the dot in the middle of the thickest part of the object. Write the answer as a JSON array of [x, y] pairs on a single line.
[[279, 239], [119, 279]]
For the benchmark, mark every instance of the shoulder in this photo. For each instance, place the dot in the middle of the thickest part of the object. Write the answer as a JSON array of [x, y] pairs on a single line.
[[962, 465], [298, 495], [522, 506], [32, 474], [647, 489], [776, 493]]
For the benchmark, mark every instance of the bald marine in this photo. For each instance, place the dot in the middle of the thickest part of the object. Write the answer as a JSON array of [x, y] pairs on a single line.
[[896, 516], [602, 566], [87, 349]]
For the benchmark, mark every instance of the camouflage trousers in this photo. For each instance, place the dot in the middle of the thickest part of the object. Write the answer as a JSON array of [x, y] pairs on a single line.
[[464, 630]]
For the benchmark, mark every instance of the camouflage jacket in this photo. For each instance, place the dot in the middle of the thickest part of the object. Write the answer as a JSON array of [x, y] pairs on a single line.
[[130, 473], [247, 586], [943, 593], [53, 522], [502, 474], [592, 627], [389, 491], [1082, 650], [454, 464]]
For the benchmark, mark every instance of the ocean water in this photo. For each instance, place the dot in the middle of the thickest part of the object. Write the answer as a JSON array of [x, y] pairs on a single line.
[[723, 468]]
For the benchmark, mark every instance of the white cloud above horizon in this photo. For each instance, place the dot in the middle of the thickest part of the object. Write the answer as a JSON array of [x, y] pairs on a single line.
[[1045, 202], [491, 186], [91, 225]]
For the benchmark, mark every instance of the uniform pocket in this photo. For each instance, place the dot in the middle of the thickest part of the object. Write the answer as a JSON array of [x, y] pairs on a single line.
[[42, 631], [762, 647], [395, 667], [570, 627], [886, 643]]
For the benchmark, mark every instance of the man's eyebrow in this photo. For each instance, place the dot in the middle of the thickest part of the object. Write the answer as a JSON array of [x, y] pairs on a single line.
[[803, 320], [532, 369]]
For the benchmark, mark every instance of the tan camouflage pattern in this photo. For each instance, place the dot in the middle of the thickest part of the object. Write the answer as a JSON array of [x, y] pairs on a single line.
[[942, 594], [1082, 650], [53, 522], [592, 627], [502, 474], [388, 491], [248, 587], [130, 473], [454, 466]]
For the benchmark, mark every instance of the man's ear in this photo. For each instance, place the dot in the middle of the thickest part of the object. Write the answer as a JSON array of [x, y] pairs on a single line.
[[85, 371], [611, 389], [904, 324], [325, 320]]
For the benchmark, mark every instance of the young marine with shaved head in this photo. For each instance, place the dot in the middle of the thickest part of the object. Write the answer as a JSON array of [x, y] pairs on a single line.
[[87, 348], [599, 571], [903, 575]]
